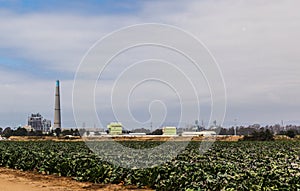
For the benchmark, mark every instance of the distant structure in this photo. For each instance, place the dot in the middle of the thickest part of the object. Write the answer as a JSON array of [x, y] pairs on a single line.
[[137, 134], [198, 127], [115, 128], [57, 114], [169, 131], [37, 123], [200, 133], [28, 128]]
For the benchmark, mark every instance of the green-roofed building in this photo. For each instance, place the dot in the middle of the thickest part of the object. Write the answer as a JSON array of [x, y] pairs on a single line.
[[169, 131], [115, 128]]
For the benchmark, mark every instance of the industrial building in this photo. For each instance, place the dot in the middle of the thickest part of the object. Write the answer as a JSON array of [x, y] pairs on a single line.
[[38, 123], [115, 128], [169, 131], [200, 133]]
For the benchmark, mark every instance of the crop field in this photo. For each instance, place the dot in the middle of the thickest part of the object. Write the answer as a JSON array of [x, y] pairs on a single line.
[[225, 166]]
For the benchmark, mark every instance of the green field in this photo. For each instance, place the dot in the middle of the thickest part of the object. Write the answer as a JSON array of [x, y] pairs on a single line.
[[225, 166]]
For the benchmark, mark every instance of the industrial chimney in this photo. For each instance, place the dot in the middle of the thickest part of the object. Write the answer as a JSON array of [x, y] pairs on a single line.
[[57, 116]]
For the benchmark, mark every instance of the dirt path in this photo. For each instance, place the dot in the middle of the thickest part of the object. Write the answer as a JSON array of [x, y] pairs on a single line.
[[14, 180]]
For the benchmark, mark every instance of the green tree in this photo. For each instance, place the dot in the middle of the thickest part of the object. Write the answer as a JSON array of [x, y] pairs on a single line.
[[76, 132], [291, 134], [7, 132], [20, 132], [156, 132], [57, 131], [262, 135]]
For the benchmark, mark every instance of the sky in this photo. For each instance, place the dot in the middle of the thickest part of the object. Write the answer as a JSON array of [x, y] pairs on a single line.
[[255, 44]]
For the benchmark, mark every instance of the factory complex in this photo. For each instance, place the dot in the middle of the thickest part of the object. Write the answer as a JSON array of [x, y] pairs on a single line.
[[36, 122]]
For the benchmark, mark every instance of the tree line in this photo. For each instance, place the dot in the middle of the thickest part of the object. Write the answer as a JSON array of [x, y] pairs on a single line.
[[20, 131]]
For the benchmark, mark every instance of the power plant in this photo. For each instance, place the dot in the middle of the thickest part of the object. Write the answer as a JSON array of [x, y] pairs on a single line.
[[57, 114], [36, 122]]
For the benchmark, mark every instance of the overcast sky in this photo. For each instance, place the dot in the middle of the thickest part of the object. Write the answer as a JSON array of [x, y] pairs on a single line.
[[255, 43]]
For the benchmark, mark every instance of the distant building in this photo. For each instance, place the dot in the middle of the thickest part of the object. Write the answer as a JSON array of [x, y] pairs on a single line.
[[115, 128], [37, 123], [94, 133], [200, 133], [46, 125], [28, 128], [169, 131], [137, 134]]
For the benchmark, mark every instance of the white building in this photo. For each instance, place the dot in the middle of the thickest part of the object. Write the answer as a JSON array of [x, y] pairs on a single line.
[[200, 133], [28, 128]]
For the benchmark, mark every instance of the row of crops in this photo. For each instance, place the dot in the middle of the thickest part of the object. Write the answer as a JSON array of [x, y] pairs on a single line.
[[225, 166]]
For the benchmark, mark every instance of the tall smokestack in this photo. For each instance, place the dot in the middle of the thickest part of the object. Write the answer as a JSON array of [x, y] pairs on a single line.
[[57, 116]]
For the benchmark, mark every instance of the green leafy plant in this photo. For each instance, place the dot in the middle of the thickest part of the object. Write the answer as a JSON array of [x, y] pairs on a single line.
[[243, 165]]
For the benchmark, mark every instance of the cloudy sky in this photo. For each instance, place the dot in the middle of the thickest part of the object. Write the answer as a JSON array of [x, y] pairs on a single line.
[[254, 42]]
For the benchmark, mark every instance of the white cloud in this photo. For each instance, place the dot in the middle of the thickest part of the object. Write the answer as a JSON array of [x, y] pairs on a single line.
[[56, 40], [255, 43]]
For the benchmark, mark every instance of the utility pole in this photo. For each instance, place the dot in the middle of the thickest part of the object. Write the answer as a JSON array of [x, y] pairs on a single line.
[[282, 125], [197, 125], [235, 126]]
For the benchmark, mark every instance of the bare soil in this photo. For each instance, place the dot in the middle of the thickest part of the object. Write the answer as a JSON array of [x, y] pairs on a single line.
[[15, 180]]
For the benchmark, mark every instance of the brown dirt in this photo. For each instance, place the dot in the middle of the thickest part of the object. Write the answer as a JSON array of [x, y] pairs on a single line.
[[15, 180]]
